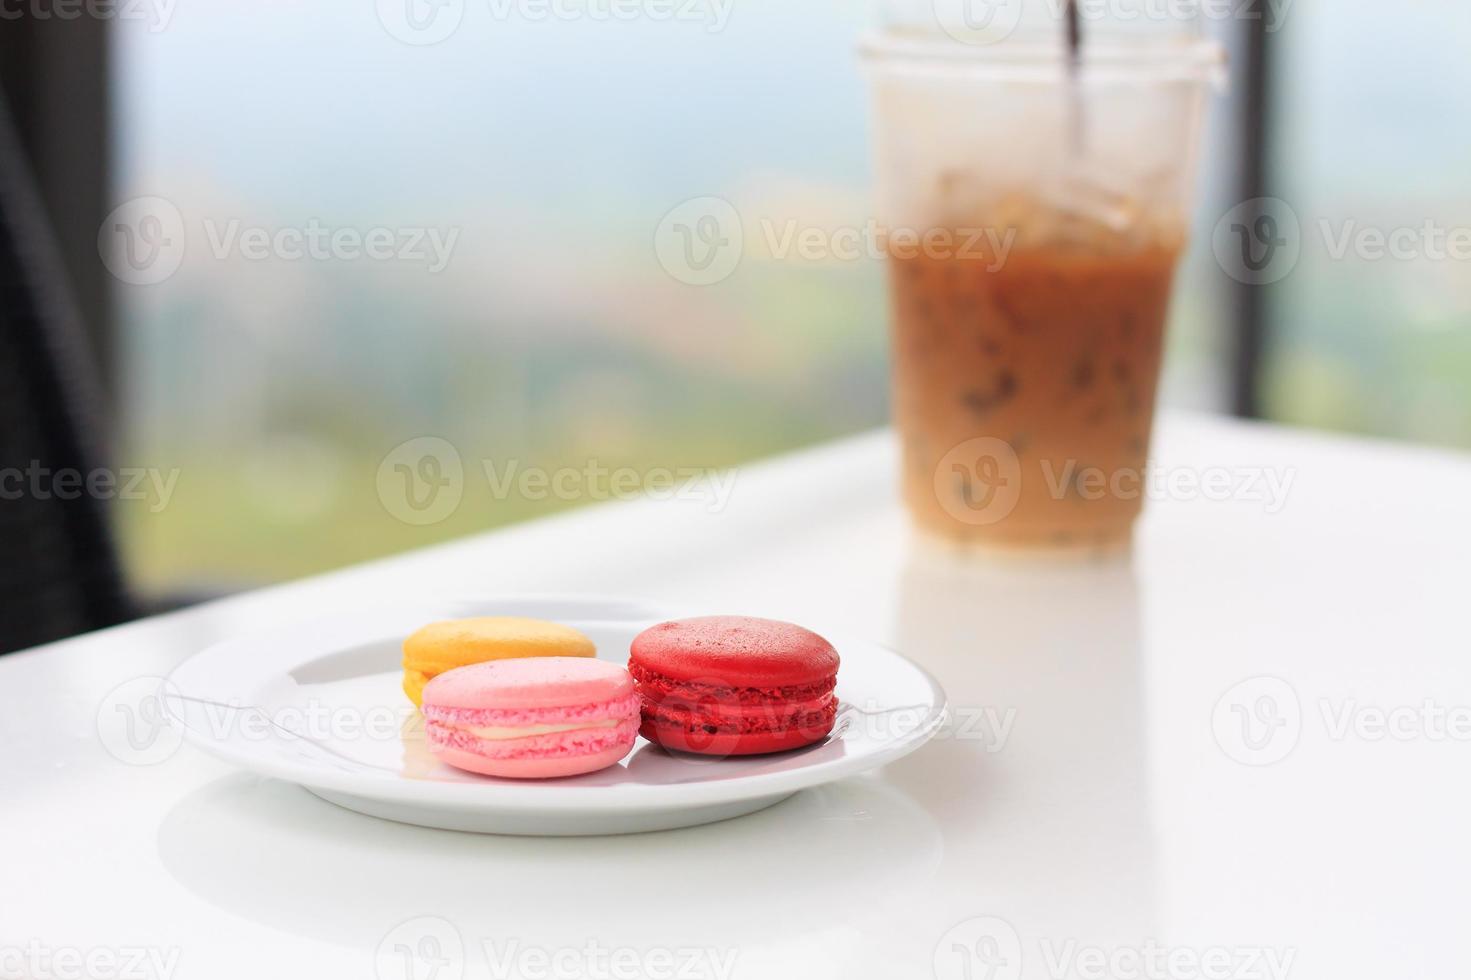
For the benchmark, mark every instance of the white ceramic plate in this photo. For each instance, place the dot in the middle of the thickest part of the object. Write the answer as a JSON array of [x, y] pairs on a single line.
[[320, 705]]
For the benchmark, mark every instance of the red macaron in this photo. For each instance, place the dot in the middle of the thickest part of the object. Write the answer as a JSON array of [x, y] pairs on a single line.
[[734, 685]]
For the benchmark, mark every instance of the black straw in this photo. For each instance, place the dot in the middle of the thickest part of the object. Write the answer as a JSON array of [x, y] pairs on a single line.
[[1074, 34], [1075, 66]]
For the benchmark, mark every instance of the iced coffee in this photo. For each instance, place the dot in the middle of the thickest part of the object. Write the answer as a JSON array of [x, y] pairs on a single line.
[[1030, 280], [1024, 383]]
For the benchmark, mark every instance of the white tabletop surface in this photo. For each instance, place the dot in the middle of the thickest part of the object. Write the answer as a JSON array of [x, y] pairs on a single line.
[[1122, 794]]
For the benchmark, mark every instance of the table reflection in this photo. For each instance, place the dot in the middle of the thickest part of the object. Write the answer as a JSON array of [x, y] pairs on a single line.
[[1041, 778]]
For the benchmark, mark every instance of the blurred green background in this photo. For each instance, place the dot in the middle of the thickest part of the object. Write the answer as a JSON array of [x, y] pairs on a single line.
[[554, 336]]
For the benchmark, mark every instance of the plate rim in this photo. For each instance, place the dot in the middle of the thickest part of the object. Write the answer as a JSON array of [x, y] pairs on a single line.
[[531, 795]]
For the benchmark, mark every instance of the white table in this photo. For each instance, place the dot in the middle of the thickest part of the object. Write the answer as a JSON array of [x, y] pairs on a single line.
[[1121, 811]]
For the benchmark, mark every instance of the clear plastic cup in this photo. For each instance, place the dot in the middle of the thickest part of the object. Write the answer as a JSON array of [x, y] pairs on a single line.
[[1034, 217]]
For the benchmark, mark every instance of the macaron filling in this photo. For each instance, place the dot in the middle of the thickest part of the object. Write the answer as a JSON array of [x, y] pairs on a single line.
[[582, 741], [714, 709], [519, 717], [550, 731], [499, 734], [808, 716], [658, 687]]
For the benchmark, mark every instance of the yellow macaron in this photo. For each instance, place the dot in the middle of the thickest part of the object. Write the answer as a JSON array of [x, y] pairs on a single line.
[[438, 647]]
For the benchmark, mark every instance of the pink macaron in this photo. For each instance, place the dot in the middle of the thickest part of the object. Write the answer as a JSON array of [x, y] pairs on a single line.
[[532, 718]]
